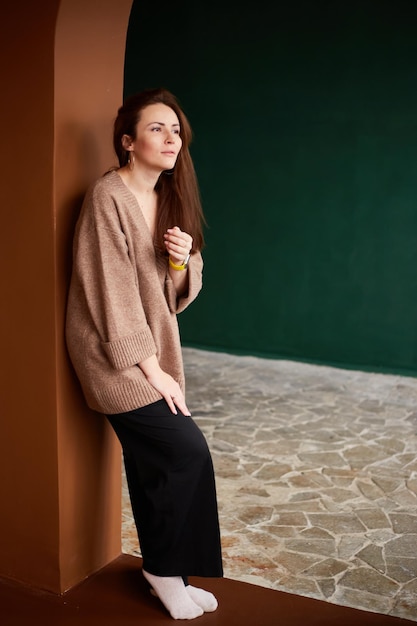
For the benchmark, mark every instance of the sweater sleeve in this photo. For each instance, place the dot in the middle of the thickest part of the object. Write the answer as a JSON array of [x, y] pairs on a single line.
[[109, 283], [195, 270]]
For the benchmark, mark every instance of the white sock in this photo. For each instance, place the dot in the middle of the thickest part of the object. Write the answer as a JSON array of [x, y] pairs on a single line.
[[172, 593], [203, 598]]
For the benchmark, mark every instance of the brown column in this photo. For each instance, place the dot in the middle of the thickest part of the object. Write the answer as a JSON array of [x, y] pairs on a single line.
[[62, 81]]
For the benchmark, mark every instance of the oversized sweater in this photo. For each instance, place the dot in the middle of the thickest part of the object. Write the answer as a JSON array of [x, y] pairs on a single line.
[[122, 304]]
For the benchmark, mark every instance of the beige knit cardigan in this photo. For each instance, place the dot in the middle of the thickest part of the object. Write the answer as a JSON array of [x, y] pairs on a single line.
[[122, 305]]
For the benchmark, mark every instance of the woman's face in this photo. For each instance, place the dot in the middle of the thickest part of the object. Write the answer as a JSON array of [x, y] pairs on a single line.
[[158, 140]]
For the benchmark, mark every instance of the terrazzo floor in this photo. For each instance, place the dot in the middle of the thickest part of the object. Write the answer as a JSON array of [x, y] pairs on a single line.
[[316, 473]]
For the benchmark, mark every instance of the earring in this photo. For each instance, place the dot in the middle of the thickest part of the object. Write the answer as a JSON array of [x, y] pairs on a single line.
[[131, 160]]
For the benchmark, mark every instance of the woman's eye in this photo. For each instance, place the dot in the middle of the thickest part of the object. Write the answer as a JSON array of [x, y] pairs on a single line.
[[156, 128]]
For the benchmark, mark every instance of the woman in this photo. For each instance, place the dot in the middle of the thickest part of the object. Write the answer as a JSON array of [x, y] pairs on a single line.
[[137, 263]]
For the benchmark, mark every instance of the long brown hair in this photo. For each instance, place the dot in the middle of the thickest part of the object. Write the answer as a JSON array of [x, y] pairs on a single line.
[[179, 202]]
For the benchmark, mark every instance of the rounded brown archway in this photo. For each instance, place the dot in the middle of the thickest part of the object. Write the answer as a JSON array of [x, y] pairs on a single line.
[[59, 463]]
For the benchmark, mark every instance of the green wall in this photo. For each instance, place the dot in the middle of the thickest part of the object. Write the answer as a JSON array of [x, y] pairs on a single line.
[[305, 123]]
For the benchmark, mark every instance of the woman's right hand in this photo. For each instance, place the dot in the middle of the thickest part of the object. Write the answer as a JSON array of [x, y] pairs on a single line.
[[165, 384]]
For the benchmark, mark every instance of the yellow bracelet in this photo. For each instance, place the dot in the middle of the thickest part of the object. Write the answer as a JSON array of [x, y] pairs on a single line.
[[183, 266]]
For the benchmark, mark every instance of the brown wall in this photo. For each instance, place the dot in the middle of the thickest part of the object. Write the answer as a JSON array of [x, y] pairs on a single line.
[[62, 81]]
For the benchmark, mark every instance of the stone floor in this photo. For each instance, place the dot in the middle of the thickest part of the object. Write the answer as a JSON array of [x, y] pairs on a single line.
[[316, 472]]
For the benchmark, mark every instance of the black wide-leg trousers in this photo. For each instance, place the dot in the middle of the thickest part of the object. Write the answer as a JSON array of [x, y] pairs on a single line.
[[172, 490]]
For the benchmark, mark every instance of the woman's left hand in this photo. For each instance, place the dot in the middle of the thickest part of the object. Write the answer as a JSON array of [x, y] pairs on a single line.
[[178, 244]]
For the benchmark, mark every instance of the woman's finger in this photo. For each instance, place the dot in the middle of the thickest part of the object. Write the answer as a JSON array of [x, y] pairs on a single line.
[[182, 407], [170, 403]]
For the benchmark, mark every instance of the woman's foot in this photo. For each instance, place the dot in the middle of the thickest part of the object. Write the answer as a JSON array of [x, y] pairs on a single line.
[[205, 599], [174, 596]]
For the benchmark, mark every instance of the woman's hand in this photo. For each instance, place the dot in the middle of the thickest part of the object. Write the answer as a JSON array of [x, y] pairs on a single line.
[[165, 384], [178, 244]]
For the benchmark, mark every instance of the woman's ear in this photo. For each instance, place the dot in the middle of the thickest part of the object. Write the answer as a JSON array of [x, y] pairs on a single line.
[[127, 142]]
